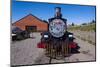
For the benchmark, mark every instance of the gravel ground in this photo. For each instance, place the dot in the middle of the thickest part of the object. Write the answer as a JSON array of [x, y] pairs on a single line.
[[26, 52], [87, 52]]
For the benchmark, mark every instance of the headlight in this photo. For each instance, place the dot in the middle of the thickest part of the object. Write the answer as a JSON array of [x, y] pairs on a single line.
[[57, 27], [46, 36], [13, 34], [70, 35]]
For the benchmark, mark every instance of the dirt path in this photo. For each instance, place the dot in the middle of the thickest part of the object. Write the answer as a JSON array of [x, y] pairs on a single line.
[[26, 52], [87, 52]]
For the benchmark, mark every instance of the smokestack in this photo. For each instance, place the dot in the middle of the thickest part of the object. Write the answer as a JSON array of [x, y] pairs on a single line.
[[58, 12]]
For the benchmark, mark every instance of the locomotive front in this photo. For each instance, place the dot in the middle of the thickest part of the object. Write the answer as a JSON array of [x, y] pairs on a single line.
[[57, 40], [57, 25]]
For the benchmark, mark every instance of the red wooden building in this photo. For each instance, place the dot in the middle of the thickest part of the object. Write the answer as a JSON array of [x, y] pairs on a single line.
[[31, 23]]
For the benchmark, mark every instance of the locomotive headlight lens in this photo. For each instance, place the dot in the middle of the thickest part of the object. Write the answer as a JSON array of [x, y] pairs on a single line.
[[70, 35], [57, 28], [46, 36]]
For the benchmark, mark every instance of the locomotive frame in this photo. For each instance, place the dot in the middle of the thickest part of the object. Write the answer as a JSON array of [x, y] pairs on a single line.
[[58, 47]]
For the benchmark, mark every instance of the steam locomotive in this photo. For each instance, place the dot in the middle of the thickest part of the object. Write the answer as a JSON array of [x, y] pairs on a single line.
[[58, 41]]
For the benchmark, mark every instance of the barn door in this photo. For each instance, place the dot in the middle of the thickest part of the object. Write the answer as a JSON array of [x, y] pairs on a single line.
[[31, 28]]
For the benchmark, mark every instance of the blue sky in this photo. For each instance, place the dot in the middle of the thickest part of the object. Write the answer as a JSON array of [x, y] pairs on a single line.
[[73, 13]]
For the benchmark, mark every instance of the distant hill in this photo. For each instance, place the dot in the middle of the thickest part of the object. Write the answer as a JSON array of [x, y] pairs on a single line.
[[87, 27]]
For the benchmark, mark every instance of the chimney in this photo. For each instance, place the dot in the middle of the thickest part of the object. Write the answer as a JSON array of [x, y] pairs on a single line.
[[58, 12]]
